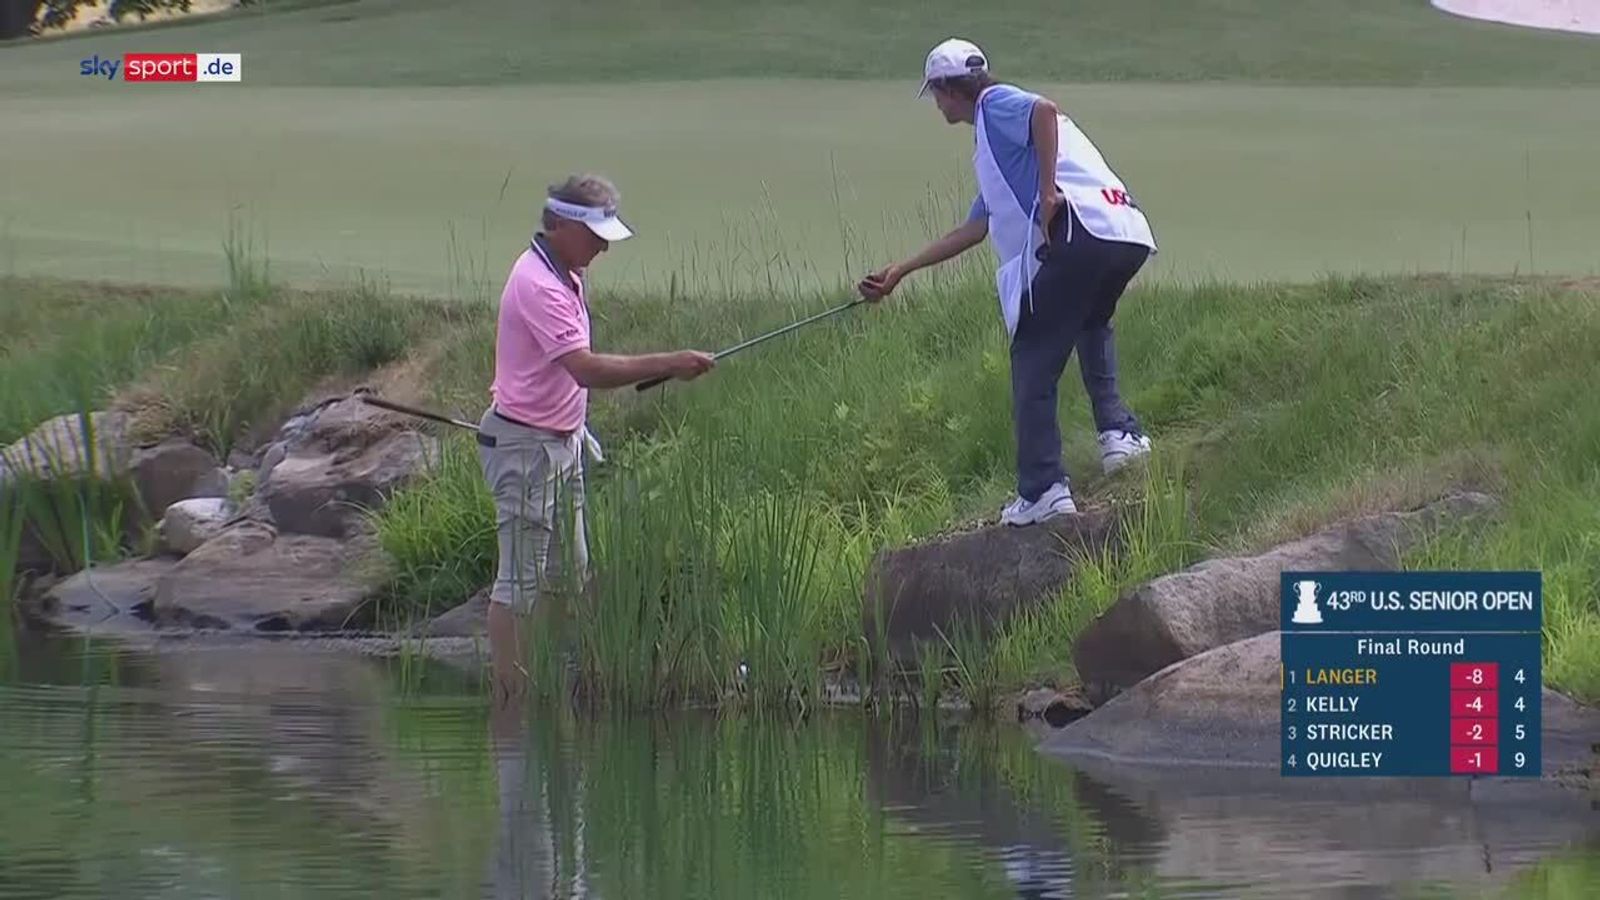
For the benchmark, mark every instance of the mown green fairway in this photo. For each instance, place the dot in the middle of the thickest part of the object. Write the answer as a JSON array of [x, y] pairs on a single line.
[[728, 180], [413, 142], [419, 43]]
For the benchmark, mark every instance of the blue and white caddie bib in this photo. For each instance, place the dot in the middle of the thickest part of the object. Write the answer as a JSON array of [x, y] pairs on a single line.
[[1008, 191]]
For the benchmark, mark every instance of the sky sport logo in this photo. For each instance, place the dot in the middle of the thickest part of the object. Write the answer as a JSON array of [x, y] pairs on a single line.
[[166, 67]]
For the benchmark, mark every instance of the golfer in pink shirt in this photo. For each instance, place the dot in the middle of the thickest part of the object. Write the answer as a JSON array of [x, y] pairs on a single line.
[[533, 435]]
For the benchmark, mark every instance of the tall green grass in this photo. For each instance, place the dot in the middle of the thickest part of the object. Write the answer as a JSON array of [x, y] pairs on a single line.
[[75, 346], [702, 598], [63, 345], [1155, 536], [443, 529], [236, 384], [67, 495], [735, 518], [1275, 409]]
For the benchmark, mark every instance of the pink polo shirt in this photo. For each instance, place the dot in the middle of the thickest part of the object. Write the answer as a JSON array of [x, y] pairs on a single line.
[[541, 318]]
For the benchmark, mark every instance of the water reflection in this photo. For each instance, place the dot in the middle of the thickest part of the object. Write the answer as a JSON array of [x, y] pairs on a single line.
[[284, 769]]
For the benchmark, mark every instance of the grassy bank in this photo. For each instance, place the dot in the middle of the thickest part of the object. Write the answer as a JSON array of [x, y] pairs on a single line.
[[735, 517], [1276, 408]]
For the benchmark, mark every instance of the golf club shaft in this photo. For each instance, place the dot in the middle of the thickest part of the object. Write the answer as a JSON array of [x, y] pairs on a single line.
[[645, 385], [419, 413]]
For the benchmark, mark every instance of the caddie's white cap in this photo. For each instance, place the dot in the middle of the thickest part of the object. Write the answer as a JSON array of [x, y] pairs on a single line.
[[952, 59], [602, 220]]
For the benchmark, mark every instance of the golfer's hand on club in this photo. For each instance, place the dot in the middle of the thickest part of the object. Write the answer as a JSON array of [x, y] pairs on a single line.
[[881, 283], [687, 365]]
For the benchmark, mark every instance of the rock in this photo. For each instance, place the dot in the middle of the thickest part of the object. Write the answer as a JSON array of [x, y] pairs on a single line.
[[469, 619], [1223, 600], [239, 460], [982, 577], [176, 470], [101, 599], [188, 524], [1052, 707], [1569, 737], [1220, 709], [331, 466], [58, 449], [252, 577]]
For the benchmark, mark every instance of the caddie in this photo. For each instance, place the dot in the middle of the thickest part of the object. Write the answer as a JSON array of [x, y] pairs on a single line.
[[534, 434], [1069, 237]]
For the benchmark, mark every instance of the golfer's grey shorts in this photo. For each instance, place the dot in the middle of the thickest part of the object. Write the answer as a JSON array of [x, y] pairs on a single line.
[[536, 478]]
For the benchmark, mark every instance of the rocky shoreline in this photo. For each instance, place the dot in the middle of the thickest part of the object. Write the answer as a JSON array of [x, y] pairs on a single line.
[[274, 540], [276, 544]]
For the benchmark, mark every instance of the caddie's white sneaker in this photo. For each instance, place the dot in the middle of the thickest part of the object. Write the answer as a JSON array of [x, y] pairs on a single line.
[[1057, 501], [1118, 448]]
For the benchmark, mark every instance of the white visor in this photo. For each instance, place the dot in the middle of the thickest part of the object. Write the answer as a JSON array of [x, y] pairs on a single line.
[[602, 221]]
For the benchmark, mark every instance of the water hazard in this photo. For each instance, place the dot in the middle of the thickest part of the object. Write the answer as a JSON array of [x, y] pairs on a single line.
[[285, 770]]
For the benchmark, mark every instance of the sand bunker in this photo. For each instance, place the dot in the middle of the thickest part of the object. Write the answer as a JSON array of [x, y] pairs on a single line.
[[1561, 15]]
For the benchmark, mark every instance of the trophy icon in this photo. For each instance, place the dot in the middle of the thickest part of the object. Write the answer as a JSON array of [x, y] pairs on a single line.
[[1306, 612]]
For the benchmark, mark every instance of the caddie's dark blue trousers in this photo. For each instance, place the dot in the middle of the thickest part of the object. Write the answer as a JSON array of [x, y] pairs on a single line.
[[1074, 297]]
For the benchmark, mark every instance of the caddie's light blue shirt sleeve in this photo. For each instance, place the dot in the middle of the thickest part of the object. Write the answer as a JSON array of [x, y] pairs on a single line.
[[1008, 130], [978, 211], [1008, 113]]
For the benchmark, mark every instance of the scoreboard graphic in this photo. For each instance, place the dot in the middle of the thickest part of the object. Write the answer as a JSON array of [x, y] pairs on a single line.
[[1406, 674]]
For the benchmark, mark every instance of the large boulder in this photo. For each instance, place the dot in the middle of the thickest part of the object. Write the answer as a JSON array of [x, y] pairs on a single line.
[[467, 619], [1223, 600], [981, 578], [330, 466], [188, 524], [175, 470], [1217, 708], [252, 577], [101, 599]]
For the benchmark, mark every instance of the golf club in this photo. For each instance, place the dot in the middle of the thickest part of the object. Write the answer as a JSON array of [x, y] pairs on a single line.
[[646, 385], [413, 411]]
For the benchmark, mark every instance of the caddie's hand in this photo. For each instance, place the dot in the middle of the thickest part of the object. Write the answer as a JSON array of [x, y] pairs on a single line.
[[1050, 203], [880, 284], [688, 365]]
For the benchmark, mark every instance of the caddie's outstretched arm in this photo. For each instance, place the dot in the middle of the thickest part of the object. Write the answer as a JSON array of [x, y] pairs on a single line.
[[969, 234]]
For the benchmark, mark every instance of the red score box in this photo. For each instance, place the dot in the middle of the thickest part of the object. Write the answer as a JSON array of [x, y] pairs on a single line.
[[1474, 760], [1474, 676], [1474, 704], [1474, 732]]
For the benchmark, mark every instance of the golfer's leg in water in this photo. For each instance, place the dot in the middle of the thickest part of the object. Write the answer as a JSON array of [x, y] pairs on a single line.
[[1045, 338], [537, 484], [1097, 349]]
